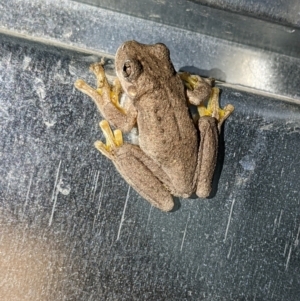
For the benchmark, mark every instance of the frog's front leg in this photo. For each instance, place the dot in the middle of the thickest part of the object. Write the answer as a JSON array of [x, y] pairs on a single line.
[[136, 168], [106, 97]]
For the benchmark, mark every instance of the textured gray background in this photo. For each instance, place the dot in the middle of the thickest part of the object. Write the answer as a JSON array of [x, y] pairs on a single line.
[[71, 229]]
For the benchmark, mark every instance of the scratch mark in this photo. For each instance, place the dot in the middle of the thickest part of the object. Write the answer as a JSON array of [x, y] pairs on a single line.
[[285, 248], [229, 252], [297, 238], [279, 221], [148, 220], [196, 274], [275, 287], [276, 225], [229, 219], [95, 184], [184, 233], [86, 186], [100, 199], [281, 173], [187, 273], [123, 214], [54, 194], [27, 195], [288, 258]]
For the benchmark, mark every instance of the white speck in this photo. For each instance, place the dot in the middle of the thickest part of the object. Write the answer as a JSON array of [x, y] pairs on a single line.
[[266, 127], [54, 195], [229, 219], [184, 233], [248, 163], [26, 62], [123, 214], [39, 88], [63, 188], [289, 30], [72, 70], [67, 32], [154, 16], [49, 123], [134, 136], [7, 59]]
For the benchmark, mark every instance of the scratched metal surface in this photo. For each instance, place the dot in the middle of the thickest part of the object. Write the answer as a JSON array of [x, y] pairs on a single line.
[[271, 25], [73, 230], [283, 11], [70, 227], [214, 48]]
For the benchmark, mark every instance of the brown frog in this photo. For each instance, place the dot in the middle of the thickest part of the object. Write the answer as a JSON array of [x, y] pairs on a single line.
[[174, 156]]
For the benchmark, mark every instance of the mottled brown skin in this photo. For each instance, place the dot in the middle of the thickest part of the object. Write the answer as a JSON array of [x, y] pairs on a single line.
[[171, 159]]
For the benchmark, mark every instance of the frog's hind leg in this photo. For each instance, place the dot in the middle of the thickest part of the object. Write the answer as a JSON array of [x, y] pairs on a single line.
[[136, 168], [210, 122]]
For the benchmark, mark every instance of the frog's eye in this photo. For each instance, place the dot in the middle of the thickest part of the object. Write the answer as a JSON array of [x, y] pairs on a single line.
[[131, 70], [127, 69]]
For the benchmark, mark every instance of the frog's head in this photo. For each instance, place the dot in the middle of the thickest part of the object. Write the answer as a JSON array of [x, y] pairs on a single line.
[[143, 69]]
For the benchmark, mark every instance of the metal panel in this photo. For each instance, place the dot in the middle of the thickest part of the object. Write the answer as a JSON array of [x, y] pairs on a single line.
[[72, 229]]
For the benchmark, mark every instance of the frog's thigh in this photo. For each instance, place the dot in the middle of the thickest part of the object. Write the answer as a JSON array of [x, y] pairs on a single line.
[[207, 156], [135, 167], [140, 171]]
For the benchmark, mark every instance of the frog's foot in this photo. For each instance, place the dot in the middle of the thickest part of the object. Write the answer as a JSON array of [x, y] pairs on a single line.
[[114, 139], [198, 88], [103, 87], [104, 92], [213, 109], [192, 81]]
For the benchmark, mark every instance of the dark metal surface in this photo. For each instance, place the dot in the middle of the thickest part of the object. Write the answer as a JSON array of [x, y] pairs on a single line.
[[281, 11], [214, 21], [91, 29], [78, 228], [70, 227]]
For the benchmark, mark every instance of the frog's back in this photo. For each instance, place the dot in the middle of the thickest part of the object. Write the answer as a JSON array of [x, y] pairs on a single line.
[[166, 131]]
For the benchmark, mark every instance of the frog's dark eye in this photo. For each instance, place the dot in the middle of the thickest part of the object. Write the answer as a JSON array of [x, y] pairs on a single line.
[[132, 69], [127, 69]]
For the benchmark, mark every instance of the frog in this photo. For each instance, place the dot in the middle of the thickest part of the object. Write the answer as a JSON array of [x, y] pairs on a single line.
[[176, 153]]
